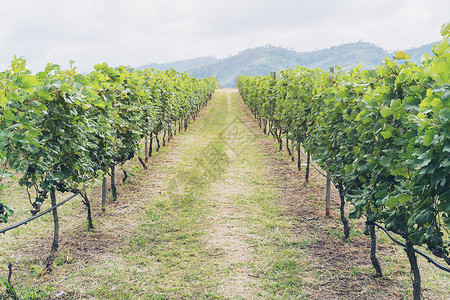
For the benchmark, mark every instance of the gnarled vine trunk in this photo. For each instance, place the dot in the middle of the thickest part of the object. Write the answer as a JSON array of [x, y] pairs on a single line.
[[342, 211], [373, 251], [417, 294], [89, 211], [113, 183], [55, 243]]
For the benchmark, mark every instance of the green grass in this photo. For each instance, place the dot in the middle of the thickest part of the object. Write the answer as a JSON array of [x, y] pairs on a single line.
[[173, 237]]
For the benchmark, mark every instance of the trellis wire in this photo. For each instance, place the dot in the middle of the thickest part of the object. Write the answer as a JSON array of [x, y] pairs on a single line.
[[24, 222]]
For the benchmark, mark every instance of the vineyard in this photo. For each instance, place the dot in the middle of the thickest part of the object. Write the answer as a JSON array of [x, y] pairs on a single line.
[[383, 135], [219, 213], [62, 130]]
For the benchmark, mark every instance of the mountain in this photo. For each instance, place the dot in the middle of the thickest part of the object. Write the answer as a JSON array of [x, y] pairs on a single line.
[[346, 56], [181, 65], [263, 60], [257, 61]]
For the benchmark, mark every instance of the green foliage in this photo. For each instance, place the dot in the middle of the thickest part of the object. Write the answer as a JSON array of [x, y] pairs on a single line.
[[60, 129], [26, 292], [5, 213], [384, 134]]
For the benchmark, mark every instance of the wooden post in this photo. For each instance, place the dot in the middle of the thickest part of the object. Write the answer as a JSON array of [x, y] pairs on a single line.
[[308, 162], [113, 182], [327, 195], [292, 150], [164, 138], [150, 147], [104, 194], [146, 149]]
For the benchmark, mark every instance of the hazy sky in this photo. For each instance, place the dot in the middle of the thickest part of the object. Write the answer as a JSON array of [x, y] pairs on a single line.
[[136, 32]]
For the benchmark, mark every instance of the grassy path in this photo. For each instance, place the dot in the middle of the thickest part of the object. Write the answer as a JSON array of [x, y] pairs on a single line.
[[216, 215], [220, 214]]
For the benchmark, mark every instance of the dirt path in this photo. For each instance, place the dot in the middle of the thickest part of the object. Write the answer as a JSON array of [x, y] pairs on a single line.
[[229, 231], [218, 188], [227, 168]]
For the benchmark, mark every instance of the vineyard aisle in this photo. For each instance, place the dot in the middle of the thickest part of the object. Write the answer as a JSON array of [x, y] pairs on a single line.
[[216, 230], [220, 214], [224, 225]]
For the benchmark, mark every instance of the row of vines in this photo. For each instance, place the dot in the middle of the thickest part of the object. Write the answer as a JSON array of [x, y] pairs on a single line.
[[60, 129], [383, 134]]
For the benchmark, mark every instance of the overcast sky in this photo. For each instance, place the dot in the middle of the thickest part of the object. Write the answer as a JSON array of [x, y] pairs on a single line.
[[136, 32]]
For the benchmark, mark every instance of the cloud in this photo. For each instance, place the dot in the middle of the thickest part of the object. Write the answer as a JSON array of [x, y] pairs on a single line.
[[136, 32]]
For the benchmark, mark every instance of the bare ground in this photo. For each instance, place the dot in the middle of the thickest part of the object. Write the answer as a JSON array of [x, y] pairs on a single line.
[[229, 231]]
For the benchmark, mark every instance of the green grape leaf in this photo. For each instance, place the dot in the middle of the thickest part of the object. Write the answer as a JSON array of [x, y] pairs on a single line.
[[3, 100], [386, 111], [28, 84], [398, 199], [445, 29], [385, 161], [9, 115], [446, 97], [444, 114], [45, 95], [428, 137], [386, 134], [401, 55]]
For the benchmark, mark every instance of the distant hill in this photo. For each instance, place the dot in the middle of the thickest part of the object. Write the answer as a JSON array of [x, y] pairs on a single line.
[[181, 65], [263, 60], [257, 61]]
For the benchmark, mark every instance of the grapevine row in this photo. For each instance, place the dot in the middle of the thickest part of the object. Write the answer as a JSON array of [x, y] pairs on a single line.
[[60, 129], [383, 134]]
